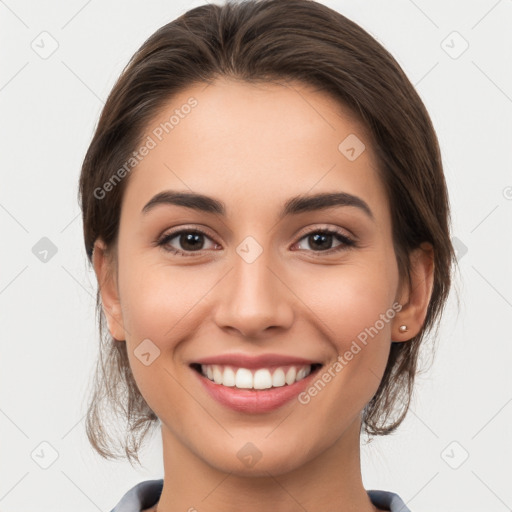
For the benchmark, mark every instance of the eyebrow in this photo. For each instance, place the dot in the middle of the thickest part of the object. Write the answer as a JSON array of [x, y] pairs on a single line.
[[293, 206]]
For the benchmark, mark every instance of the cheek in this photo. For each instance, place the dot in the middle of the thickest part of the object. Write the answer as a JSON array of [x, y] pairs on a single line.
[[348, 300], [350, 296], [353, 306], [157, 298], [160, 304]]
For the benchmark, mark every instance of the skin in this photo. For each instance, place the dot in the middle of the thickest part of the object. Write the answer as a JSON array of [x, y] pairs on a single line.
[[254, 147]]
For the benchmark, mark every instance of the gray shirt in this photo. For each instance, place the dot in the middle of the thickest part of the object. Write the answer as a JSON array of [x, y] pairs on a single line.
[[146, 494]]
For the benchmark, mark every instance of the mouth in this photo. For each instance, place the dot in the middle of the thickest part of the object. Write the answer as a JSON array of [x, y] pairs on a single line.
[[255, 379], [254, 384]]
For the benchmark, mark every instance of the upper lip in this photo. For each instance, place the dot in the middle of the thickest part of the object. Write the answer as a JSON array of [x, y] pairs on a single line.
[[260, 361]]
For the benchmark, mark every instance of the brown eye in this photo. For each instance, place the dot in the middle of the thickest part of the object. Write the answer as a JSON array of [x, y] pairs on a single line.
[[321, 240], [188, 241]]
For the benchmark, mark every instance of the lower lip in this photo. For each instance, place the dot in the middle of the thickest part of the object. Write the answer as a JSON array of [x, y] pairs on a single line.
[[254, 401]]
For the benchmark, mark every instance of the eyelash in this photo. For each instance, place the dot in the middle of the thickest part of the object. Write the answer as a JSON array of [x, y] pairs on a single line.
[[347, 243]]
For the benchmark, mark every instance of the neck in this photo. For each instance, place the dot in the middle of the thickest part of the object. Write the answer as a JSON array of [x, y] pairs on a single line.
[[330, 481]]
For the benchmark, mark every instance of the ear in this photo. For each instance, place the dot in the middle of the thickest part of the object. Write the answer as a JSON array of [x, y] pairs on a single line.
[[415, 295], [104, 268]]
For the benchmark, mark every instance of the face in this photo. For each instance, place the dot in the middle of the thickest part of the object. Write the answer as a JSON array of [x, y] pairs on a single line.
[[254, 281]]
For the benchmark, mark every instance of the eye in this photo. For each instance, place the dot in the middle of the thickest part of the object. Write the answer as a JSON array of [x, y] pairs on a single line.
[[320, 240], [190, 240]]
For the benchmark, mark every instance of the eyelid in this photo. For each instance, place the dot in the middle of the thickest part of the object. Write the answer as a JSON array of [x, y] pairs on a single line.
[[184, 229], [349, 242], [326, 227], [191, 227]]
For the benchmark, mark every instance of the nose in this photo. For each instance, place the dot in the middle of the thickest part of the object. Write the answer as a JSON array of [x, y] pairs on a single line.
[[254, 300]]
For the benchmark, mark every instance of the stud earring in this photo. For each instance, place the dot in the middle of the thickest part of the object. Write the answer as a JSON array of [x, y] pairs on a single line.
[[403, 328]]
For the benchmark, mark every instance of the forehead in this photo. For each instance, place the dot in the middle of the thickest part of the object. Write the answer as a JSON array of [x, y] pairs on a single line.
[[255, 144]]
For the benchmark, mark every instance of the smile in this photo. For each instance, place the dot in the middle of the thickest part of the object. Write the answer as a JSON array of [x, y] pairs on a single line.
[[254, 384], [262, 378]]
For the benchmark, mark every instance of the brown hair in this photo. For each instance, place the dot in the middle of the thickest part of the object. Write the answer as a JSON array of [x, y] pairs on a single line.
[[264, 41]]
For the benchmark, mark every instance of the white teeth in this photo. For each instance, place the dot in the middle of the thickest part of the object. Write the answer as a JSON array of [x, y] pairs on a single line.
[[217, 375], [278, 379], [243, 378], [290, 375], [228, 378], [263, 378]]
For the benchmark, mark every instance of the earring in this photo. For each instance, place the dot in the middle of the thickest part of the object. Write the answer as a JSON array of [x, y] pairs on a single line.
[[403, 328]]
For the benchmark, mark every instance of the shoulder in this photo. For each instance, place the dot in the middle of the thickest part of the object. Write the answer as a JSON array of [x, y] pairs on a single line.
[[387, 500], [145, 494], [140, 497]]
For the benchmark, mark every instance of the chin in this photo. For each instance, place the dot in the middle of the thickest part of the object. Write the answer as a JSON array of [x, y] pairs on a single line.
[[258, 459]]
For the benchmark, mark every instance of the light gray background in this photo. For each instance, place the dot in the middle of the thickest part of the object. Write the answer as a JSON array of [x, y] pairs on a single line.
[[49, 108]]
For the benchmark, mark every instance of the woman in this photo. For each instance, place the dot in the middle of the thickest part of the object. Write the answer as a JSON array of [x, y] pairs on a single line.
[[265, 209]]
